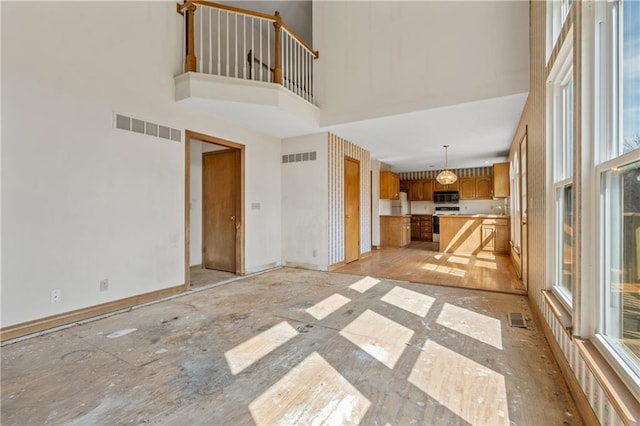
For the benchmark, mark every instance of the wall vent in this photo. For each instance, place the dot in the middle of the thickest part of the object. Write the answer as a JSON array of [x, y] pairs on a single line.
[[516, 319], [300, 156], [131, 124]]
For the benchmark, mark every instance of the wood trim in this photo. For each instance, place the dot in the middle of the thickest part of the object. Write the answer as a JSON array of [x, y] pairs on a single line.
[[617, 392], [315, 53], [582, 404], [240, 242], [191, 61], [187, 208], [181, 7], [19, 330], [277, 70], [336, 266], [559, 311]]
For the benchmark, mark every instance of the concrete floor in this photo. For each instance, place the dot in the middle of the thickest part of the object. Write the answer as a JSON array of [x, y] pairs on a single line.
[[294, 347]]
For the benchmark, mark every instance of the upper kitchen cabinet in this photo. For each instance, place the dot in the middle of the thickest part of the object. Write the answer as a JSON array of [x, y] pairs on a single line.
[[501, 180], [421, 190], [389, 186], [475, 188], [437, 186]]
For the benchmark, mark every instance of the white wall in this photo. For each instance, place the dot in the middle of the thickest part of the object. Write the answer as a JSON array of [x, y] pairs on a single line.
[[305, 200], [375, 201], [81, 201], [422, 56]]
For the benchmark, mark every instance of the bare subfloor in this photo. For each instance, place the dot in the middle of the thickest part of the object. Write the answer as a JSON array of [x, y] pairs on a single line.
[[200, 277], [294, 347], [421, 262]]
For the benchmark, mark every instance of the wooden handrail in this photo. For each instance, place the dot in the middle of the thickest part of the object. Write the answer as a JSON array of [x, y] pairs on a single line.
[[315, 53], [225, 7]]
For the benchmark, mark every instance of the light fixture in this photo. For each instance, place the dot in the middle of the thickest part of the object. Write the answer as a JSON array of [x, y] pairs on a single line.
[[446, 177]]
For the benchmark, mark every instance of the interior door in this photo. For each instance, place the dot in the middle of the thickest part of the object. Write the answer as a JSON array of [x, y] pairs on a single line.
[[524, 236], [220, 195], [351, 210]]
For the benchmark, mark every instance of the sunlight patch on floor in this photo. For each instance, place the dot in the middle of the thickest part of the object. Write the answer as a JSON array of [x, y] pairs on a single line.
[[458, 259], [328, 306], [259, 346], [380, 337], [444, 269], [312, 393], [485, 264], [472, 391], [364, 284], [478, 326], [410, 301]]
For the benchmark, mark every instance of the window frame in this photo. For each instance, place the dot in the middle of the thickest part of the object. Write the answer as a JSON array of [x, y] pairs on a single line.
[[609, 156]]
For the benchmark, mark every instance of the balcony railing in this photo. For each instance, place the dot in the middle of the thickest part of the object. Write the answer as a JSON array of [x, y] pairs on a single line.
[[232, 42]]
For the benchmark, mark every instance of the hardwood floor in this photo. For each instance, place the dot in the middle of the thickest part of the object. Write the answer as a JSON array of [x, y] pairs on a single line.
[[294, 347], [420, 262]]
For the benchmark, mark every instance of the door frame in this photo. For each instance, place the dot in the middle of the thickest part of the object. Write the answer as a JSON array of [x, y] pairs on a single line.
[[524, 213], [240, 243], [357, 162]]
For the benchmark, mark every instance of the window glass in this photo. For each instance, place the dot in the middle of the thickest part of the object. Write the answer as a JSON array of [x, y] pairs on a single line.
[[621, 197], [565, 249]]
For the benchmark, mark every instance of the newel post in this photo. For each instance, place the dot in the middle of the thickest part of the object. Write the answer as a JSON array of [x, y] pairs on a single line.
[[191, 62], [277, 70]]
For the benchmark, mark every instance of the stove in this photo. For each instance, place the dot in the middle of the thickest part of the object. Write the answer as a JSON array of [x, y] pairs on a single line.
[[442, 211], [446, 210]]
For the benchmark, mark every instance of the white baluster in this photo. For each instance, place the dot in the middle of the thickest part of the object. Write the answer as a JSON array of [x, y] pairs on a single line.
[[200, 12], [244, 45], [235, 30], [260, 57], [219, 35], [210, 42], [227, 65], [253, 51]]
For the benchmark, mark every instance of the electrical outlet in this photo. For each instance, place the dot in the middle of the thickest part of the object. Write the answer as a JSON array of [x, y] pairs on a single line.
[[56, 296], [104, 285]]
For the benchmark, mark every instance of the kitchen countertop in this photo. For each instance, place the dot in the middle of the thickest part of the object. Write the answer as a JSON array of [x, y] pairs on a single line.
[[395, 215], [479, 215]]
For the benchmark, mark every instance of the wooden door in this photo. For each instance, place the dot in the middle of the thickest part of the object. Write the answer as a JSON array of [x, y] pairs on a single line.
[[524, 236], [351, 210], [220, 210]]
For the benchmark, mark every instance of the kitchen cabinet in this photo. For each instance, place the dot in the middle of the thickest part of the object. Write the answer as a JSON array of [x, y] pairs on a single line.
[[389, 186], [422, 227], [437, 186], [484, 185], [471, 234], [395, 231], [500, 180], [404, 186], [421, 190], [475, 187]]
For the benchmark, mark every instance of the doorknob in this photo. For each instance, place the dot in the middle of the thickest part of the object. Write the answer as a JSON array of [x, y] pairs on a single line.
[[232, 217], [348, 216]]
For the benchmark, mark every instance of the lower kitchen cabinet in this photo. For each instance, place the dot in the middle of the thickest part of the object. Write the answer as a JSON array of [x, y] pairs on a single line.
[[474, 233], [422, 227], [395, 231]]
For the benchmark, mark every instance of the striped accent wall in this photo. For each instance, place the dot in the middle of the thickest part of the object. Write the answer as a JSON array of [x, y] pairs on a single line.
[[431, 174], [339, 149]]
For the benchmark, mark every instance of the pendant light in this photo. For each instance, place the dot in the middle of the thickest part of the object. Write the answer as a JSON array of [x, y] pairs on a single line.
[[446, 177]]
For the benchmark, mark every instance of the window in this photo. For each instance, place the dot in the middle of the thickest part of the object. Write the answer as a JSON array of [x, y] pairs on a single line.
[[618, 171], [556, 16], [562, 147]]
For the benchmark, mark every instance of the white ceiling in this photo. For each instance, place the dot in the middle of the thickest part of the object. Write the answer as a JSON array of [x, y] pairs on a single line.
[[479, 133]]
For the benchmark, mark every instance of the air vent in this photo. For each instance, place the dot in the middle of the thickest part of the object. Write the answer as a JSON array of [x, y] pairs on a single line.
[[516, 319], [136, 125], [300, 156]]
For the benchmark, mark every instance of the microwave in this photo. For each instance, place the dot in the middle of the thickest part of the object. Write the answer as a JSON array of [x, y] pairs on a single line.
[[445, 197]]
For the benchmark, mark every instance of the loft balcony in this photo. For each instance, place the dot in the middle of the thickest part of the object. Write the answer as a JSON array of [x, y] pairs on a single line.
[[249, 67]]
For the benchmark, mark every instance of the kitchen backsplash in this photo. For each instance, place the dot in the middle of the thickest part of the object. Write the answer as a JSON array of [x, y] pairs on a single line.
[[466, 207]]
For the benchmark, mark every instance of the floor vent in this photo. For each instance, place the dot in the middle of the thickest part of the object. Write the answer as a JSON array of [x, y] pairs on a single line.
[[136, 125], [300, 156], [516, 319]]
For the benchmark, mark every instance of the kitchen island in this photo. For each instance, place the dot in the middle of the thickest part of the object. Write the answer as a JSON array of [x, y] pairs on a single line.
[[473, 233]]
